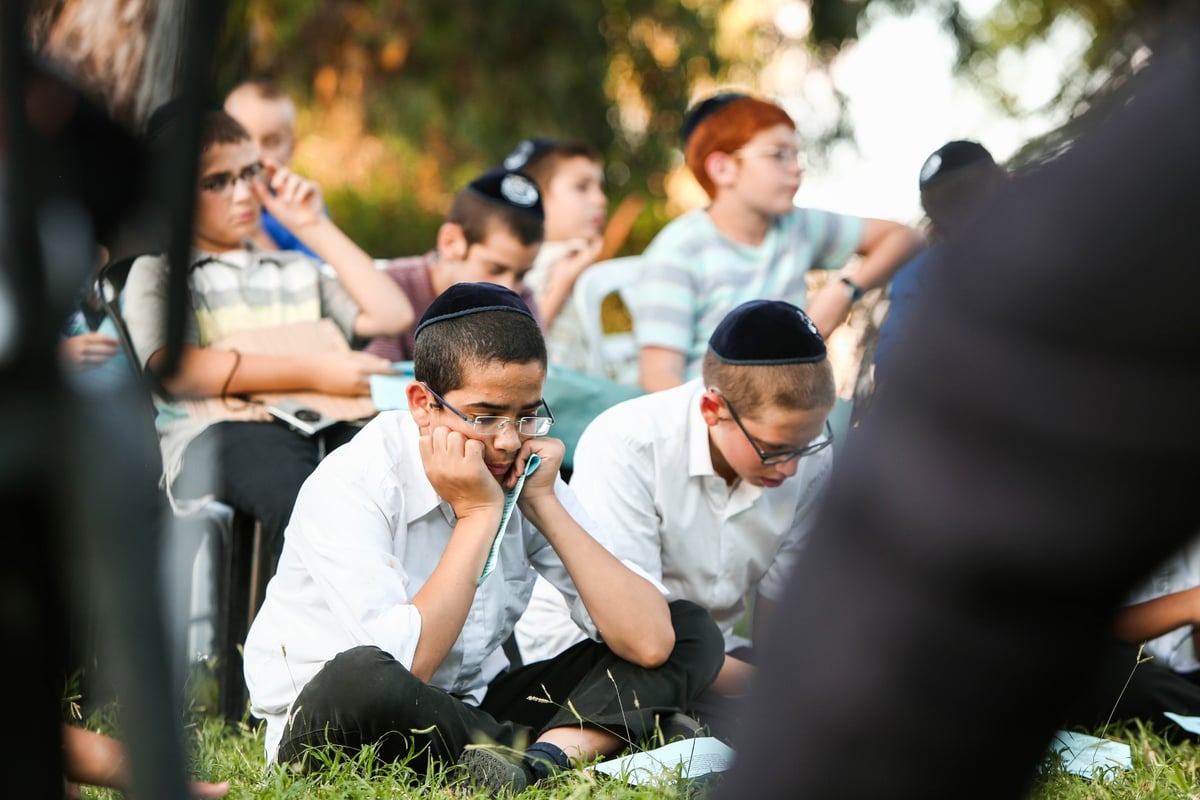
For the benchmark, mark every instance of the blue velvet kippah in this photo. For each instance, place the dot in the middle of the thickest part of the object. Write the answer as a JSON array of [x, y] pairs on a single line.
[[764, 332], [508, 187], [703, 110], [527, 150], [462, 299]]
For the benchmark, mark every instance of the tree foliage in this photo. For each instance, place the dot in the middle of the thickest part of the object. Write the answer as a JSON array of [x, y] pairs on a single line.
[[1121, 35], [441, 89]]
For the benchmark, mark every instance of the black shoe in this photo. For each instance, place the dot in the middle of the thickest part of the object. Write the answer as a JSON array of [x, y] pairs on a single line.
[[492, 771]]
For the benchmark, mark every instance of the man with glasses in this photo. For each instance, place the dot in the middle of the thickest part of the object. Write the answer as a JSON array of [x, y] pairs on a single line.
[[408, 560], [711, 487]]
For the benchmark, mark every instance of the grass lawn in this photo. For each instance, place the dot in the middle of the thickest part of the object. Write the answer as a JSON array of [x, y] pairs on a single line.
[[222, 751]]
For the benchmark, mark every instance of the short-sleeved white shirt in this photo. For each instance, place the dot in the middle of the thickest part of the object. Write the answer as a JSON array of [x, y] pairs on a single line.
[[644, 471], [1181, 571], [366, 533]]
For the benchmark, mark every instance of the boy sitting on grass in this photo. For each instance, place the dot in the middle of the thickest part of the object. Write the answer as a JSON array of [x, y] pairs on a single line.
[[491, 234], [255, 466], [711, 487], [402, 576]]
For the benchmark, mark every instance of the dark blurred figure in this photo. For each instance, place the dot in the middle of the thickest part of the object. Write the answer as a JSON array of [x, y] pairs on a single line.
[[955, 180], [1032, 455]]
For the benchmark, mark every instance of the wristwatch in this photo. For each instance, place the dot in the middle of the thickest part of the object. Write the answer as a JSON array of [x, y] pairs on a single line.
[[856, 291]]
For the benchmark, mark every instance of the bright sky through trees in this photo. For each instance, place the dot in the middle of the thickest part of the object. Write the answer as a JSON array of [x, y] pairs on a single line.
[[905, 102]]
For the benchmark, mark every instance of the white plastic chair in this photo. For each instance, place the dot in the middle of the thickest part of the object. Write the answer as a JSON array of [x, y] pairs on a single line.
[[612, 355]]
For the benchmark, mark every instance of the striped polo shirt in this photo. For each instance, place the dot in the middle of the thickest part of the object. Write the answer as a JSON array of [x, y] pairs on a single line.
[[694, 275]]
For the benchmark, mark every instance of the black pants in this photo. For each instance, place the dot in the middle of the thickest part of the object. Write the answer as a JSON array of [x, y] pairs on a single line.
[[1121, 688], [257, 468], [720, 714], [364, 696]]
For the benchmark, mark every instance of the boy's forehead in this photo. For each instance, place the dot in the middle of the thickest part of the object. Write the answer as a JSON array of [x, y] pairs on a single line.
[[248, 103], [228, 157], [502, 383]]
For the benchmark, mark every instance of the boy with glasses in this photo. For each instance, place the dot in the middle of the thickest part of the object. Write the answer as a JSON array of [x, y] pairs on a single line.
[[750, 242], [408, 560], [254, 465], [711, 487]]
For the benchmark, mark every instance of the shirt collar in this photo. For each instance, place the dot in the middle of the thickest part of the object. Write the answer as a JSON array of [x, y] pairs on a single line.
[[699, 455], [419, 495]]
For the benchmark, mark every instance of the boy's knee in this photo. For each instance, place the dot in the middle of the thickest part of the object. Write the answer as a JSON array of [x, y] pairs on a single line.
[[355, 678]]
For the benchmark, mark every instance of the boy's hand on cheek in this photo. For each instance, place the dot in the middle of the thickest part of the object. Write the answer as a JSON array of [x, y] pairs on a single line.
[[454, 465], [540, 483]]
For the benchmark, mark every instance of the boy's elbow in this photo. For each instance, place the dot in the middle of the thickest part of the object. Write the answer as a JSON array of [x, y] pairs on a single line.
[[392, 323], [652, 651]]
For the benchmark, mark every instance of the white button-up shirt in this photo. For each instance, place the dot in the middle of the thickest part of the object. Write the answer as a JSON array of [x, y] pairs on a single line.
[[644, 471], [1181, 571], [367, 531]]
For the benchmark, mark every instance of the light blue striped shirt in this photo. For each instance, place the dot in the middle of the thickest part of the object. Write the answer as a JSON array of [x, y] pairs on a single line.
[[695, 275]]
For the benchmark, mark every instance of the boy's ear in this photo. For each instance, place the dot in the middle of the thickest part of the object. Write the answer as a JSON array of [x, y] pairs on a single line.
[[722, 168], [451, 242], [710, 408], [419, 401]]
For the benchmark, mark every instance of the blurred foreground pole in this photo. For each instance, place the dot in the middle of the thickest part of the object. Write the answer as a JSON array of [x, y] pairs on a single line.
[[1035, 455], [78, 475]]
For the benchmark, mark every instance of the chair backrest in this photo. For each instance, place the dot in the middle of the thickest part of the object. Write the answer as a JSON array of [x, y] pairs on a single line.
[[112, 279], [612, 354]]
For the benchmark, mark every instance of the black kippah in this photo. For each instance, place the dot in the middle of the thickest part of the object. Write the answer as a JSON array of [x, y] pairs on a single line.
[[462, 299], [764, 332], [528, 150], [508, 187], [703, 110], [951, 157]]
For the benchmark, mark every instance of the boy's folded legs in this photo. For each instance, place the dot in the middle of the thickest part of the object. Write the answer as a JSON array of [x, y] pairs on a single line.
[[365, 696]]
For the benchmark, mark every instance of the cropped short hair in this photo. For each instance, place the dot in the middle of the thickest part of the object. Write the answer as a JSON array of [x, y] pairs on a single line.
[[728, 129], [544, 166], [477, 216], [263, 87], [218, 127], [758, 388], [445, 351]]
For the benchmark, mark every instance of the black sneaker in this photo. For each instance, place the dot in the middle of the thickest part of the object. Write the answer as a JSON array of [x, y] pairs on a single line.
[[490, 770]]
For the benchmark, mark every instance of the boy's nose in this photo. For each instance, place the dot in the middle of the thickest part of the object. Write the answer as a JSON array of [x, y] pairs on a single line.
[[242, 191], [507, 440], [788, 468]]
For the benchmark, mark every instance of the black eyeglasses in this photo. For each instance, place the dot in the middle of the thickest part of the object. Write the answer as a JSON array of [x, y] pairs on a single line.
[[223, 182], [495, 425], [782, 456]]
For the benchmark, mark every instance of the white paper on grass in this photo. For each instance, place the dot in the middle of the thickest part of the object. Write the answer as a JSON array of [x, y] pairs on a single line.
[[1189, 724], [1090, 756], [689, 759]]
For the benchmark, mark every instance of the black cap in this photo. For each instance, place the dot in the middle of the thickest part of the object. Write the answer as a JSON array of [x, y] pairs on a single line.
[[508, 187], [765, 332], [527, 150], [705, 109], [462, 299], [951, 157]]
